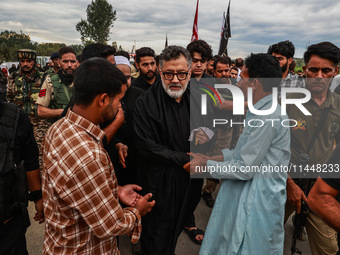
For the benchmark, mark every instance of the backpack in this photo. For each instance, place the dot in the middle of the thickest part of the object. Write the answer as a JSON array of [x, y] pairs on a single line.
[[13, 191]]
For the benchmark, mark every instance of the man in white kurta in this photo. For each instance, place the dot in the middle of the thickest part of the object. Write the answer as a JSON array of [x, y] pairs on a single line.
[[248, 214]]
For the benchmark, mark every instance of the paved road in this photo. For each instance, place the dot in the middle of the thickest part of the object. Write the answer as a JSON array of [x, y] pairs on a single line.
[[185, 246]]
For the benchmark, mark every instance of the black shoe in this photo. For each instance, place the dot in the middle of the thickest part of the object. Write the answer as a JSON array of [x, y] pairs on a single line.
[[208, 199]]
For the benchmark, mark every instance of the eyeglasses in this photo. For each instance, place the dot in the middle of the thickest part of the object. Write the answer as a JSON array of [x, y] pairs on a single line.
[[180, 76]]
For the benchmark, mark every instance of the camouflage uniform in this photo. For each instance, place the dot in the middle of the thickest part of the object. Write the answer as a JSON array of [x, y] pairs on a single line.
[[23, 89], [50, 72]]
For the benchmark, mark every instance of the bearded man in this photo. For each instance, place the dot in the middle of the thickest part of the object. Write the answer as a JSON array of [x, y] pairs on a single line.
[[284, 52], [163, 123], [146, 64]]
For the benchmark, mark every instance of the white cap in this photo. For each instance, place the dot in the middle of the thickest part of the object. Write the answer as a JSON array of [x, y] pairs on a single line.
[[120, 60]]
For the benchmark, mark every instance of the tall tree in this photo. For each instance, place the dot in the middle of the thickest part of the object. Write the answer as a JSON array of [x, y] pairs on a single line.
[[100, 18]]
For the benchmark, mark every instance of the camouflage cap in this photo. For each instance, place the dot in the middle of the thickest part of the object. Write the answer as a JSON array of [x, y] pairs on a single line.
[[26, 54]]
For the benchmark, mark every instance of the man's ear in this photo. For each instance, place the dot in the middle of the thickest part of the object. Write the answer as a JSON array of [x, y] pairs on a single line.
[[290, 60], [336, 70], [103, 100], [256, 84], [304, 69]]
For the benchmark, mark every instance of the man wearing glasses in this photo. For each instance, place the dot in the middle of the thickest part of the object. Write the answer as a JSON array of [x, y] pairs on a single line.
[[162, 126]]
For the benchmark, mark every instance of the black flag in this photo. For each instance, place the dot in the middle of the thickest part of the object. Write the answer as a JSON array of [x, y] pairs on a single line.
[[166, 41], [225, 33]]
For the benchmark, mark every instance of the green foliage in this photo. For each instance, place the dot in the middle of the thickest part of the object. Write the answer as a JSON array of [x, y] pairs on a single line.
[[46, 49], [77, 47], [299, 63], [11, 42], [100, 18]]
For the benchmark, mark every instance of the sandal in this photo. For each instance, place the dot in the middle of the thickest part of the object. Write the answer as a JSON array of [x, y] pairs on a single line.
[[193, 233]]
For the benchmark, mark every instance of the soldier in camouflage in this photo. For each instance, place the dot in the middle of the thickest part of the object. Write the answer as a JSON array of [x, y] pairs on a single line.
[[24, 85], [23, 89], [57, 89]]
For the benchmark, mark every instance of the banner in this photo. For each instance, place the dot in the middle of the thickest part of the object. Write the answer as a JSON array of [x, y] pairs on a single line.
[[225, 33]]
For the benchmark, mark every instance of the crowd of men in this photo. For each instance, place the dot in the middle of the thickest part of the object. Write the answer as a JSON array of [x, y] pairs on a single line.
[[123, 151]]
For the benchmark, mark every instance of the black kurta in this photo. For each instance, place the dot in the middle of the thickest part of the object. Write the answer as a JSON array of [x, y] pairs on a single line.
[[125, 135], [141, 83], [162, 129]]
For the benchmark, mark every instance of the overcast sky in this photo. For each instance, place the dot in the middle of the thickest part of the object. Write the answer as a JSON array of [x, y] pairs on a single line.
[[254, 24]]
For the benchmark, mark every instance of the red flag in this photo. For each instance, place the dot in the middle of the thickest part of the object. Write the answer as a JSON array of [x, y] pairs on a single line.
[[195, 27]]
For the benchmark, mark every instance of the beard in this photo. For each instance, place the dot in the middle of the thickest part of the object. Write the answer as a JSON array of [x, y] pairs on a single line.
[[149, 75], [175, 93], [284, 67], [109, 114], [68, 72]]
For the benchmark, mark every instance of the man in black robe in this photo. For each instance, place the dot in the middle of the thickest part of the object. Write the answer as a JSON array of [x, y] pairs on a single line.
[[124, 141], [163, 124], [146, 64]]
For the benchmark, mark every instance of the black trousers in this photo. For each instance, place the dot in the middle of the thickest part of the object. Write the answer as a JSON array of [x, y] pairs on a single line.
[[12, 235]]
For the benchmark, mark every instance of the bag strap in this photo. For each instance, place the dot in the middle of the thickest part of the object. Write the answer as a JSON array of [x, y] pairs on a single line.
[[66, 92], [318, 129]]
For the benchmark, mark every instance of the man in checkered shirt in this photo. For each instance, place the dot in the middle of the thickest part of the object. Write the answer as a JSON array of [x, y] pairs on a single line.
[[80, 191], [284, 52]]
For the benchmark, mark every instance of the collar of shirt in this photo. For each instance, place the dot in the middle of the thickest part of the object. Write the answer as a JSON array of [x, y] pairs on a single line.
[[261, 103], [88, 126], [328, 103]]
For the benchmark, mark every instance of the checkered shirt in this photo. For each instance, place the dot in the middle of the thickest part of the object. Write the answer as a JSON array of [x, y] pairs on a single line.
[[80, 192], [291, 81]]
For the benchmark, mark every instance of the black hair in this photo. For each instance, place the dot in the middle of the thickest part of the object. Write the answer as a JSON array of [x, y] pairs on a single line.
[[93, 50], [107, 51], [157, 60], [65, 50], [95, 76], [234, 68], [202, 47], [264, 66], [222, 60], [239, 62], [174, 52], [144, 52], [324, 50], [123, 53], [285, 48]]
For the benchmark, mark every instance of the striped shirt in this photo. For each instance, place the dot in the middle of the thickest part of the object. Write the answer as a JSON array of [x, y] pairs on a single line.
[[80, 192]]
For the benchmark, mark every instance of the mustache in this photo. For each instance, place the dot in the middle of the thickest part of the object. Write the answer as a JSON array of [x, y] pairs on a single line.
[[175, 85]]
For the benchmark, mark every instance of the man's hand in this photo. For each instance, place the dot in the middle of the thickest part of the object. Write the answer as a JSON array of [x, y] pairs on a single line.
[[197, 160], [119, 119], [39, 215], [122, 150], [143, 206], [201, 137], [295, 194], [113, 127], [127, 194]]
